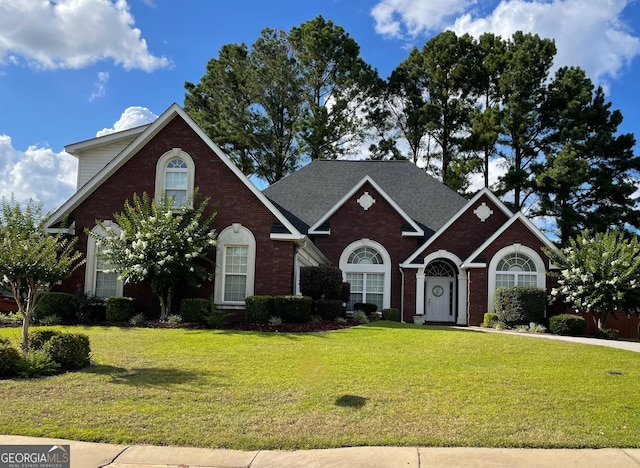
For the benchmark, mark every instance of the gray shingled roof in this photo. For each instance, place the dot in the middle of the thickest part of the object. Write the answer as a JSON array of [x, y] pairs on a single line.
[[307, 194]]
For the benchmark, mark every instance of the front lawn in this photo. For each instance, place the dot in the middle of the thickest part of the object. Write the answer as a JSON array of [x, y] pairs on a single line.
[[379, 384]]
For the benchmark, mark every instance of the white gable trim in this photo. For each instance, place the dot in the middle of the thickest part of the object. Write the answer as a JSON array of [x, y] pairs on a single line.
[[76, 149], [147, 134], [468, 263], [408, 262], [316, 228]]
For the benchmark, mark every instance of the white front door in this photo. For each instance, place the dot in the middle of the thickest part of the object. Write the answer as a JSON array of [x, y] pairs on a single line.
[[438, 299]]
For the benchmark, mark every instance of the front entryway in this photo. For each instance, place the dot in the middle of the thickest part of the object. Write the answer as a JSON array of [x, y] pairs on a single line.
[[439, 292]]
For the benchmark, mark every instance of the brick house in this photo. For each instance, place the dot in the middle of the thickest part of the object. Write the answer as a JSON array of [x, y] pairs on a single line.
[[401, 238]]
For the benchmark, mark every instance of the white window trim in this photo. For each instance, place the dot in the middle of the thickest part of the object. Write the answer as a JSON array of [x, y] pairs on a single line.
[[91, 266], [541, 276], [234, 235], [161, 168], [385, 267]]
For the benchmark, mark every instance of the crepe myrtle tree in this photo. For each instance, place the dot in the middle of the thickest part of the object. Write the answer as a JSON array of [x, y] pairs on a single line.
[[32, 260], [156, 242], [600, 274]]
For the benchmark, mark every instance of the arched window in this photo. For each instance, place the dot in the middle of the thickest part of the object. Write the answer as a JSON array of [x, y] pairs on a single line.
[[367, 268], [175, 173], [235, 265], [100, 281], [516, 269]]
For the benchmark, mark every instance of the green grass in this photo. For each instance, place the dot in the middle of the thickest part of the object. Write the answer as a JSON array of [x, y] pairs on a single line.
[[379, 384]]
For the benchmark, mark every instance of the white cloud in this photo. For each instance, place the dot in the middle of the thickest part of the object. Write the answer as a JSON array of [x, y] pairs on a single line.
[[592, 35], [133, 116], [38, 173], [100, 86], [73, 34]]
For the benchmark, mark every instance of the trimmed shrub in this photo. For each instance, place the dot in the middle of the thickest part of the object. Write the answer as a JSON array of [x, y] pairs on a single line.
[[365, 307], [293, 309], [567, 324], [38, 362], [330, 309], [490, 319], [321, 282], [606, 333], [10, 361], [258, 308], [37, 338], [70, 350], [391, 314], [520, 305], [120, 309], [346, 292], [56, 303], [89, 307], [195, 310]]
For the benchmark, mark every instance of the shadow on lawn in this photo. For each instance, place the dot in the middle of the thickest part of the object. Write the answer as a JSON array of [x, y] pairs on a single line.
[[148, 376], [351, 401]]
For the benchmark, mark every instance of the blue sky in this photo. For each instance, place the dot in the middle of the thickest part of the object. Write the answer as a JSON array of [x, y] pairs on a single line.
[[73, 69]]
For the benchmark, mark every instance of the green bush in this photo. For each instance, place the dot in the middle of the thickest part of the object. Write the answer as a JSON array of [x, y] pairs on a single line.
[[195, 310], [4, 341], [321, 282], [38, 338], [606, 333], [520, 305], [70, 350], [330, 309], [490, 319], [217, 318], [120, 309], [293, 309], [359, 316], [365, 307], [258, 308], [567, 324], [38, 362], [88, 307], [56, 303], [10, 361], [391, 314]]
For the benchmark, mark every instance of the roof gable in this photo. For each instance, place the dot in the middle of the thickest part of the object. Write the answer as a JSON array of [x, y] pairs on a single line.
[[144, 137], [319, 226]]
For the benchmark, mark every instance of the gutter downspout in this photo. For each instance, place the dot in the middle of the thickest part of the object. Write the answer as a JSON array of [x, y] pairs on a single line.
[[402, 296]]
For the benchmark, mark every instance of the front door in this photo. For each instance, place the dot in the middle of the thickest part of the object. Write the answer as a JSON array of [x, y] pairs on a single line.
[[438, 299]]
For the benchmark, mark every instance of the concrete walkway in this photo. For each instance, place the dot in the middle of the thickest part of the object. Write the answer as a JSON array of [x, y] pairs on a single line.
[[91, 455]]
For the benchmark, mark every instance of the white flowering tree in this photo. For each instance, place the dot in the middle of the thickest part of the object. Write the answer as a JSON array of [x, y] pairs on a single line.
[[32, 260], [600, 275], [160, 244]]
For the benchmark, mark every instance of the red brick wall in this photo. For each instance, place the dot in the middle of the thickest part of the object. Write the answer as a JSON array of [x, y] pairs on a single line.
[[234, 203], [380, 223]]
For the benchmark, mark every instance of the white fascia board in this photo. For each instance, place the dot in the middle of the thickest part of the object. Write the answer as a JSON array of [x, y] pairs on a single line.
[[76, 149], [528, 224], [313, 251], [455, 217], [315, 228], [146, 135]]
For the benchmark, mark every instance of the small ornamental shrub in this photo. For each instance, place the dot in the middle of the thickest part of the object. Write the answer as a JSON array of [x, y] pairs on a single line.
[[341, 320], [490, 319], [391, 314], [38, 338], [88, 307], [366, 307], [275, 321], [70, 350], [330, 309], [56, 303], [359, 316], [50, 320], [37, 363], [174, 319], [137, 319], [567, 324], [293, 309], [258, 308], [606, 333], [321, 282], [195, 310], [520, 305], [120, 309], [217, 318], [9, 361]]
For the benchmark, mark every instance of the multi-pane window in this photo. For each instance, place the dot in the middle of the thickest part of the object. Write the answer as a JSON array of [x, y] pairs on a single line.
[[176, 181], [106, 281], [235, 272], [365, 256], [366, 286], [516, 269]]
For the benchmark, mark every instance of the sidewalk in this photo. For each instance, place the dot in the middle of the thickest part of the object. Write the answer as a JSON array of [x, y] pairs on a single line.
[[92, 455]]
